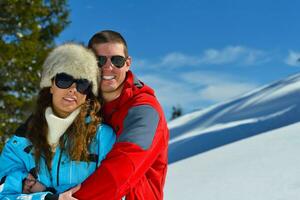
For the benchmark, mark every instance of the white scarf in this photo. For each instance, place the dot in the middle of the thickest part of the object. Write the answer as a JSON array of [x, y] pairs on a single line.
[[57, 126]]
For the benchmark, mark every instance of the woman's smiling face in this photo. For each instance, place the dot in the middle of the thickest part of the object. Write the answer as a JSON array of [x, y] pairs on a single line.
[[65, 101]]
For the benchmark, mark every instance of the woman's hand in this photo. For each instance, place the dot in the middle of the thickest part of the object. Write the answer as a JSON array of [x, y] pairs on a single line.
[[31, 185], [68, 194]]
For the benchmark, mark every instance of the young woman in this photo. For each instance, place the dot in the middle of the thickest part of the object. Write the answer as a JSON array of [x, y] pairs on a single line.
[[64, 141]]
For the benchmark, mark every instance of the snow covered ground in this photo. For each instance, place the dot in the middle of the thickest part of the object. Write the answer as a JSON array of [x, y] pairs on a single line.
[[245, 149]]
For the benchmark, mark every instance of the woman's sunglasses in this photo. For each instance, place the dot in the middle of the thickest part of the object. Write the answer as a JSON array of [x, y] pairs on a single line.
[[117, 61], [64, 81]]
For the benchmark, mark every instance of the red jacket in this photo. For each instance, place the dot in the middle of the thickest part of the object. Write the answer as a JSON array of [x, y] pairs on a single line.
[[136, 167]]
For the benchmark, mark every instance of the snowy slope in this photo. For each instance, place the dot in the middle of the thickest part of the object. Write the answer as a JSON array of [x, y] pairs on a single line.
[[265, 167], [245, 148], [265, 109]]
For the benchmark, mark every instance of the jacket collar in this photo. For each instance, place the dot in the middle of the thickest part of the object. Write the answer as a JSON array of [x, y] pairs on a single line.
[[132, 87]]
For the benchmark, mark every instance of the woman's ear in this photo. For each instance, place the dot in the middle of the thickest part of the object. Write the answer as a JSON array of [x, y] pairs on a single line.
[[51, 88]]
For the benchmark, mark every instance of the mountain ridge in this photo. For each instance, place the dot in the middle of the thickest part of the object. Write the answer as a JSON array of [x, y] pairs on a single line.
[[269, 107]]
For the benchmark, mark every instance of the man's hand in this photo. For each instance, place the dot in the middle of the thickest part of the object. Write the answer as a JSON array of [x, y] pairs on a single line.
[[31, 185], [68, 194]]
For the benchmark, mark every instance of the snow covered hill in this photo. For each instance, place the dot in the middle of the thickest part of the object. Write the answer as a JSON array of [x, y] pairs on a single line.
[[246, 148]]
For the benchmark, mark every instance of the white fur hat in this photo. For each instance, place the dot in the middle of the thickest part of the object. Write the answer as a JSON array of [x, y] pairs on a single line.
[[72, 59]]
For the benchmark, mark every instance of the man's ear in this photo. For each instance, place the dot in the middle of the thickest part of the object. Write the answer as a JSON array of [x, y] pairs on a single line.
[[128, 63]]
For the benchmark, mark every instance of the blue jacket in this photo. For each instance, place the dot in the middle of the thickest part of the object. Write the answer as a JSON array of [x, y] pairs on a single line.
[[17, 160]]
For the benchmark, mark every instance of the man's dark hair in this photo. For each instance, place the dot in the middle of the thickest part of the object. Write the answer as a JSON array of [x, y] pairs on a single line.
[[108, 36]]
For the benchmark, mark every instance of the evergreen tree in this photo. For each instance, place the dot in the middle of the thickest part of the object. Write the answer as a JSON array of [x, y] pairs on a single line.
[[27, 32], [176, 112]]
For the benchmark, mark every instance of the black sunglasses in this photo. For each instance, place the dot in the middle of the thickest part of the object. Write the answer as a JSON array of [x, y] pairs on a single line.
[[64, 81], [117, 61]]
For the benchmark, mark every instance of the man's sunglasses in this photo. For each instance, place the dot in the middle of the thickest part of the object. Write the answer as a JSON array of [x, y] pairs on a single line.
[[64, 81], [117, 61]]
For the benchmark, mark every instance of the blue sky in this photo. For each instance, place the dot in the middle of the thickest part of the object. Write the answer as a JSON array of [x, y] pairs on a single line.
[[196, 53]]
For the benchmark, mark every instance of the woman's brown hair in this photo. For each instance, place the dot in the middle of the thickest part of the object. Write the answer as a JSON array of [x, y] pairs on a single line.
[[75, 140]]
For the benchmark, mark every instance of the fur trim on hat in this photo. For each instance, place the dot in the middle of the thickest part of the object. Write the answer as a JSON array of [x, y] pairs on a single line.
[[72, 59]]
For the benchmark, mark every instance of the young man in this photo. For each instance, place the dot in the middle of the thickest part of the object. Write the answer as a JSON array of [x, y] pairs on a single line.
[[136, 166]]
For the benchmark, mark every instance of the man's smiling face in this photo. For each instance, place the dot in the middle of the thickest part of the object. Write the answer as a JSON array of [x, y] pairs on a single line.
[[112, 77]]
